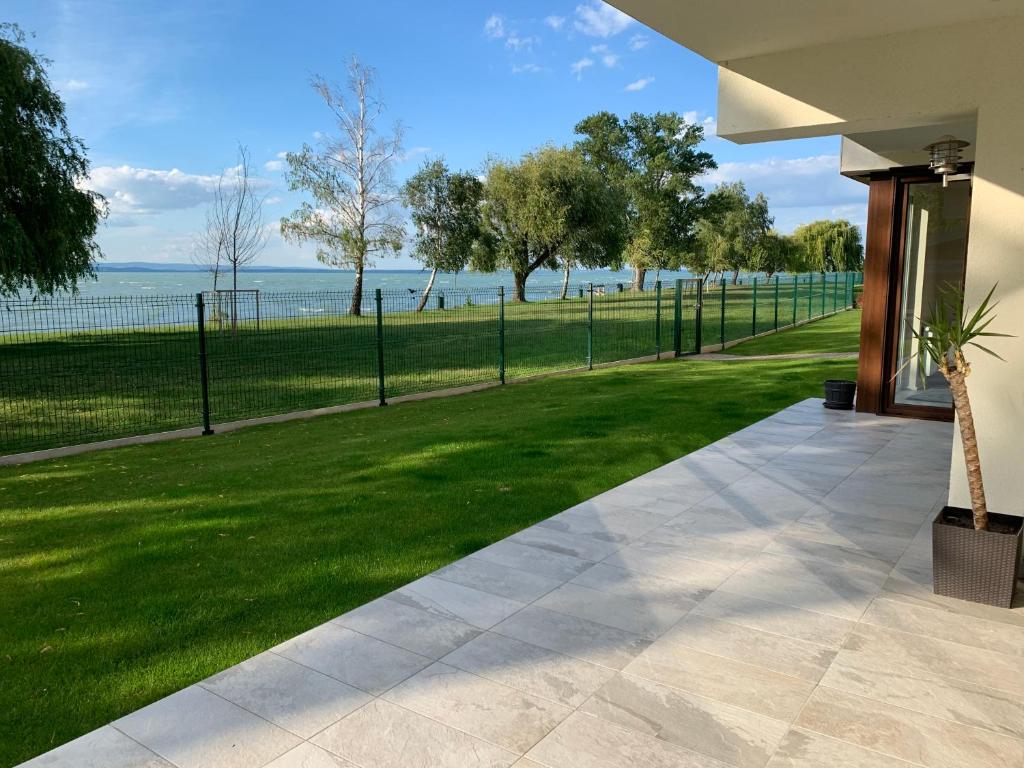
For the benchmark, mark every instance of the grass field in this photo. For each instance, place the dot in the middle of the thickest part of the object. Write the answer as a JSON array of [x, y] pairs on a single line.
[[839, 333], [67, 388], [128, 574]]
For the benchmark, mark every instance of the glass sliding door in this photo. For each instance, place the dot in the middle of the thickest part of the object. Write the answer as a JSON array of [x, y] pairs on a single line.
[[934, 251]]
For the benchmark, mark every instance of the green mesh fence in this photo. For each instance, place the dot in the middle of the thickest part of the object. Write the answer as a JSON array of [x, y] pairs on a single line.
[[76, 370]]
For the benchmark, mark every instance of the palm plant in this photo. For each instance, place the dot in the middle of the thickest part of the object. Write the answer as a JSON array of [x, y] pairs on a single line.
[[945, 337]]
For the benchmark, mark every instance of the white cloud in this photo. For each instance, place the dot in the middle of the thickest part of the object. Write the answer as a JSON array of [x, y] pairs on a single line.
[[795, 182], [528, 69], [577, 67], [608, 58], [638, 42], [598, 19], [555, 22], [414, 152], [517, 43], [318, 135], [707, 122], [639, 85], [73, 86], [141, 191], [273, 166], [494, 27]]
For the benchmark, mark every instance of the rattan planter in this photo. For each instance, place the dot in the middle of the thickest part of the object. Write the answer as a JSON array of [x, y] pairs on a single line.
[[839, 394], [980, 566]]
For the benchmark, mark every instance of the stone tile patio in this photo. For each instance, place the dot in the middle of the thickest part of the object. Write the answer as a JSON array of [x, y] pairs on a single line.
[[764, 601]]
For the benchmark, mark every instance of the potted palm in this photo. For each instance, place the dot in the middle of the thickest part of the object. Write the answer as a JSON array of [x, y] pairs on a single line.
[[975, 553]]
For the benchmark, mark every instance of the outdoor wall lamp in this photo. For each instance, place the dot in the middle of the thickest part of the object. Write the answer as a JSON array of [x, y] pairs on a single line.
[[945, 156]]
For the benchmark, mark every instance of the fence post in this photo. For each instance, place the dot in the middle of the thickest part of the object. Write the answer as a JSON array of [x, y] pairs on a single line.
[[810, 295], [501, 333], [722, 318], [379, 301], [824, 289], [835, 292], [657, 319], [590, 327], [257, 309], [677, 320], [753, 312], [204, 377], [698, 331], [796, 291], [775, 324]]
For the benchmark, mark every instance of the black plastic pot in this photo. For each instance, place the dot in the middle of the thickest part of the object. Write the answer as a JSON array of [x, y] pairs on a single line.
[[839, 394], [980, 566]]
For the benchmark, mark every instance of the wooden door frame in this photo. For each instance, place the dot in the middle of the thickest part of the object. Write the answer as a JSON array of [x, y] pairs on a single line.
[[882, 296]]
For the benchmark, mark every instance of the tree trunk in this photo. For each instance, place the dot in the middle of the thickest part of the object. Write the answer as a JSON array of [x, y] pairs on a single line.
[[639, 275], [657, 275], [519, 289], [426, 291], [735, 276], [962, 403], [356, 308], [565, 282], [234, 299]]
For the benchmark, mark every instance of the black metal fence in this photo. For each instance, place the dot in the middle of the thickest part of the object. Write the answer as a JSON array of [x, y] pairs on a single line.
[[76, 370]]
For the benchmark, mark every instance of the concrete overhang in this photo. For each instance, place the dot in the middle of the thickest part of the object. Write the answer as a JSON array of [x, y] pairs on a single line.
[[722, 30]]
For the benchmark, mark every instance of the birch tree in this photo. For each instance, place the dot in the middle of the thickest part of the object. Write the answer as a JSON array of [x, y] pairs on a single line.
[[235, 233], [350, 175]]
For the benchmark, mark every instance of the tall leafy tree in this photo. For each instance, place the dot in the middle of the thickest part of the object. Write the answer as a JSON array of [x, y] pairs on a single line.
[[774, 252], [654, 161], [351, 177], [47, 222], [733, 228], [545, 209], [445, 212], [830, 245]]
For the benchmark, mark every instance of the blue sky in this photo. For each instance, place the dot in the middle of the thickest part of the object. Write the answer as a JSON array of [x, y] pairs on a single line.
[[162, 92]]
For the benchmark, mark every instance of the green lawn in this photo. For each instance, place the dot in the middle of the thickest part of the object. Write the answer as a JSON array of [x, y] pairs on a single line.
[[128, 574], [839, 333], [62, 389]]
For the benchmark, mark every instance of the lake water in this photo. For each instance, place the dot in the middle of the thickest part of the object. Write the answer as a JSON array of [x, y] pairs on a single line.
[[175, 283]]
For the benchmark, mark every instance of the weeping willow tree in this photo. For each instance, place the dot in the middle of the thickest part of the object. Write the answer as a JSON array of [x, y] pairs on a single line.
[[830, 246]]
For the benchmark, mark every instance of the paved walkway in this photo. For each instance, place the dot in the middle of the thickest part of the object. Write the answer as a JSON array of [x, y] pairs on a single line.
[[720, 356], [764, 601]]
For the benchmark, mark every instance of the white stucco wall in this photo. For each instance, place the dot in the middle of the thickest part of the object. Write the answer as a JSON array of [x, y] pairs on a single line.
[[912, 79]]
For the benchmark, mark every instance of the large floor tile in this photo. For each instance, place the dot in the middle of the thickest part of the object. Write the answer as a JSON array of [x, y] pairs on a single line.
[[802, 749], [583, 741], [408, 627], [384, 735], [619, 527], [776, 618], [639, 586], [287, 694], [457, 602], [735, 736], [530, 668], [564, 543], [105, 747], [898, 732], [663, 561], [934, 622], [706, 549], [359, 660], [479, 707], [543, 562], [497, 579], [844, 556], [194, 728], [646, 617], [864, 669], [573, 636], [669, 662], [785, 655], [307, 755]]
